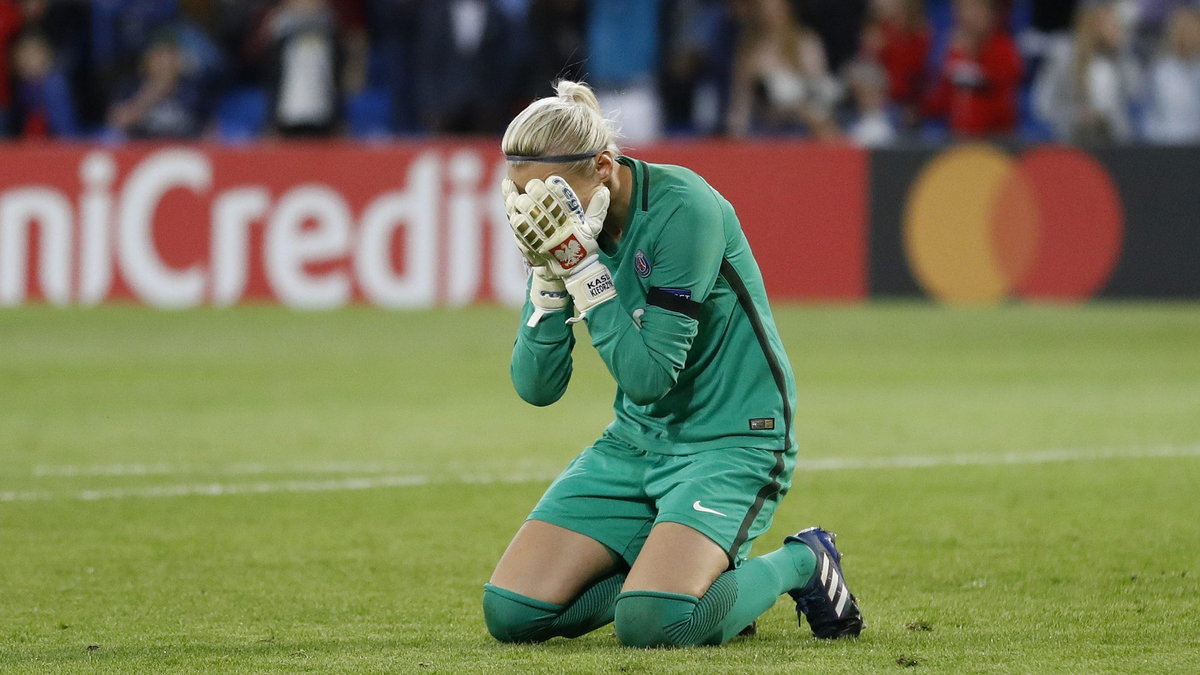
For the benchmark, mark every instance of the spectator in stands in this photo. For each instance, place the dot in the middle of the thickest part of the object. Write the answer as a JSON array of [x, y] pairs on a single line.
[[838, 23], [464, 78], [977, 87], [1086, 90], [1049, 28], [898, 38], [1175, 82], [559, 30], [393, 27], [120, 33], [305, 77], [623, 46], [693, 67], [239, 29], [165, 102], [67, 26], [202, 58], [781, 82], [10, 25], [43, 105], [873, 126], [351, 21], [557, 44]]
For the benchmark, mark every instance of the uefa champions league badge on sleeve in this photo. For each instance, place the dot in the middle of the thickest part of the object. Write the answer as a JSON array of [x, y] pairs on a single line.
[[642, 264]]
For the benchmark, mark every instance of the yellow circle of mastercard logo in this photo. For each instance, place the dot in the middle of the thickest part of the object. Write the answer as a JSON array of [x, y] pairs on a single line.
[[981, 226]]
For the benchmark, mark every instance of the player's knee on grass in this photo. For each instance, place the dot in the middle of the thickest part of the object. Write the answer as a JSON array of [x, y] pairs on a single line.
[[512, 617], [649, 619]]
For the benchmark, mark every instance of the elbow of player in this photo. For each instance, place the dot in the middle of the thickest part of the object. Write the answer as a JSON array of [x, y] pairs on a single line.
[[540, 401], [538, 396]]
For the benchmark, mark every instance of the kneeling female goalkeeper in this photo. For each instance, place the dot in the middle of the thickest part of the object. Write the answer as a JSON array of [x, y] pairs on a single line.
[[651, 525]]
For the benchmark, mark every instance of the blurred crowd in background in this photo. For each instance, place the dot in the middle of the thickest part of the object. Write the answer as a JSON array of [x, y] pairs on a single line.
[[875, 72]]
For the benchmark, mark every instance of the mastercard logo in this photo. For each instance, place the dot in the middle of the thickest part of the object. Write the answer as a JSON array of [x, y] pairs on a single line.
[[982, 226]]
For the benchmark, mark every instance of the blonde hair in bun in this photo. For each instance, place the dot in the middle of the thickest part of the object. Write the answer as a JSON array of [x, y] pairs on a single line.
[[569, 123]]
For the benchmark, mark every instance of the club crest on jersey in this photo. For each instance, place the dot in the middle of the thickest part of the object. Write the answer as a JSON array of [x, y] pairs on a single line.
[[569, 253], [641, 264]]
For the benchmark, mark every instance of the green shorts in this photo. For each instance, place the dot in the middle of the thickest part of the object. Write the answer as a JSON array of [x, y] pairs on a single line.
[[615, 493]]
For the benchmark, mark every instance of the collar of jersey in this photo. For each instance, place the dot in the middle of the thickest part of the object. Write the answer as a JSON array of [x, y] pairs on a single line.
[[638, 193]]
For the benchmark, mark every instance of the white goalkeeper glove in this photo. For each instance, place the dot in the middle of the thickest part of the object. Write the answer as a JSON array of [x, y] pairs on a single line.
[[550, 222], [547, 294], [508, 191]]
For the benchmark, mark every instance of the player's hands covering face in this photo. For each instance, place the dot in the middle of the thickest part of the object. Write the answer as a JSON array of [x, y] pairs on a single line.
[[555, 233], [551, 226]]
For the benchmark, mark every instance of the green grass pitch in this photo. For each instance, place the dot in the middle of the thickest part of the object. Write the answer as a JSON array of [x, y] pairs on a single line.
[[258, 490]]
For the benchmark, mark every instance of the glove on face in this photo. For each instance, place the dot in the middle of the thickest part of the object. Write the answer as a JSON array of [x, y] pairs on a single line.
[[550, 225]]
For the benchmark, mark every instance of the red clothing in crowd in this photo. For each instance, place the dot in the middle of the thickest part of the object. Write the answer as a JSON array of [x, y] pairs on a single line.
[[903, 53], [10, 23], [978, 91]]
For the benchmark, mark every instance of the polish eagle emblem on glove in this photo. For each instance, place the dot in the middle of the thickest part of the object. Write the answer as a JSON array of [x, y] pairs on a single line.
[[569, 253]]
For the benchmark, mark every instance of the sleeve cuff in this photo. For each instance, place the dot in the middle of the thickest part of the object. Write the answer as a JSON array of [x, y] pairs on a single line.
[[551, 329]]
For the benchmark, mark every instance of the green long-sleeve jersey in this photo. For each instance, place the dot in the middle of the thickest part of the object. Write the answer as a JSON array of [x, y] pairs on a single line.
[[690, 339]]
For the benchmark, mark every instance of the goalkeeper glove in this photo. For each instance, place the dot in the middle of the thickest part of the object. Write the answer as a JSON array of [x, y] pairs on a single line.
[[550, 222], [548, 295], [508, 190]]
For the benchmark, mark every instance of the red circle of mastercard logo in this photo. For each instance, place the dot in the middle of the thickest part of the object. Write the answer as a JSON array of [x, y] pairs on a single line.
[[981, 226]]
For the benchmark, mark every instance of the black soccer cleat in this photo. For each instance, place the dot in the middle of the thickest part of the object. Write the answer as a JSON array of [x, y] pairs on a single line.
[[825, 601]]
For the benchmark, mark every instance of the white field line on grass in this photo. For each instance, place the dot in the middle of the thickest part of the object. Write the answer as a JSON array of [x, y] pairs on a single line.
[[1007, 458], [412, 480], [235, 469], [268, 487]]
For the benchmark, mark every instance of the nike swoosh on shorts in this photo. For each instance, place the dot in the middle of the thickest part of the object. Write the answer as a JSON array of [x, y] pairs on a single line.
[[704, 509]]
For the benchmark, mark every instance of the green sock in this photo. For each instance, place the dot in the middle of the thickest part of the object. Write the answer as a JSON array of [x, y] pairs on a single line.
[[760, 582], [591, 610], [735, 599], [512, 617]]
